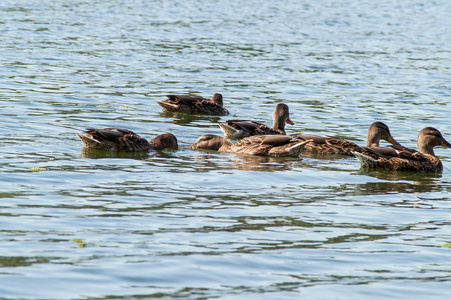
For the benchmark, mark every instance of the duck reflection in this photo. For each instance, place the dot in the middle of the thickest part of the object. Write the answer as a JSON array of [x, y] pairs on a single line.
[[326, 156], [213, 160], [185, 119], [398, 182], [397, 175], [96, 154]]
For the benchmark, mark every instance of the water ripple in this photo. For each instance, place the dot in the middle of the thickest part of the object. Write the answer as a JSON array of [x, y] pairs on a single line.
[[133, 225]]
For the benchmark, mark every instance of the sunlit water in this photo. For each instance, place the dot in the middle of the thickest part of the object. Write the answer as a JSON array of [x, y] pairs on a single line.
[[189, 224]]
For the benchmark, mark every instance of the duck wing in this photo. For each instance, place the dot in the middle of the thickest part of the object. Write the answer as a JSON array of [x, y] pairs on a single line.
[[325, 144], [185, 99], [116, 139], [108, 134]]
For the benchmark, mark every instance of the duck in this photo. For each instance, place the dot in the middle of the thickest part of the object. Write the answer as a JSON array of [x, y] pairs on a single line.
[[116, 139], [195, 104], [238, 129], [323, 144], [398, 158], [260, 145]]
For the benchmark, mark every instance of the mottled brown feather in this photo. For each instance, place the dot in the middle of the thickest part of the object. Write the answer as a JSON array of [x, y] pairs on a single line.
[[333, 145], [237, 129], [399, 158], [194, 104], [261, 145], [116, 139], [328, 145]]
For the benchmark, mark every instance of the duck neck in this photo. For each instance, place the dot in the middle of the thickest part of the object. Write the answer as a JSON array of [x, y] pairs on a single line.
[[426, 149], [225, 146], [217, 98], [373, 140], [278, 124]]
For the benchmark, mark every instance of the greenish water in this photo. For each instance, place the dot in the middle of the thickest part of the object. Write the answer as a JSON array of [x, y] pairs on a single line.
[[188, 224]]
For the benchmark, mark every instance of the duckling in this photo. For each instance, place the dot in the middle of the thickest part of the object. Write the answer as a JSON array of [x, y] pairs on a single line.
[[237, 129], [262, 145], [322, 144], [116, 139], [399, 158], [195, 104]]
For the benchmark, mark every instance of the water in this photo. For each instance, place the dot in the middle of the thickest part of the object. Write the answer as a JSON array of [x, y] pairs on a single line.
[[192, 224]]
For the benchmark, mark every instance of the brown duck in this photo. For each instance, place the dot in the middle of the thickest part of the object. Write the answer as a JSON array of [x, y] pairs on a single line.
[[237, 129], [115, 139], [195, 104], [262, 145], [332, 145], [399, 158]]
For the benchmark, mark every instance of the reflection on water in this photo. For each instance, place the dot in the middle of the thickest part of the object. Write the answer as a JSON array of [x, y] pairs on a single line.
[[396, 176], [95, 154], [326, 157], [392, 182], [180, 118], [18, 261], [243, 162], [240, 226], [374, 188]]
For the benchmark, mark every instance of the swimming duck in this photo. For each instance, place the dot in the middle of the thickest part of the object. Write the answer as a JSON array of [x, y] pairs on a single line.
[[322, 144], [262, 145], [237, 129], [195, 104], [399, 158], [115, 139]]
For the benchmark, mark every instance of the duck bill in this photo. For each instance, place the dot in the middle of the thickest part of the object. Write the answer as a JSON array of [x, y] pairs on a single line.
[[445, 144], [288, 121], [392, 141]]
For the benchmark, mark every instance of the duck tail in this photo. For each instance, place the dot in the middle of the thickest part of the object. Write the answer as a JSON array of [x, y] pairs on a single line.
[[365, 160], [87, 141], [229, 131], [168, 106]]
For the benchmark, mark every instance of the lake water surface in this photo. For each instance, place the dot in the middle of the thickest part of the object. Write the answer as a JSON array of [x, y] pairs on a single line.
[[77, 224]]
